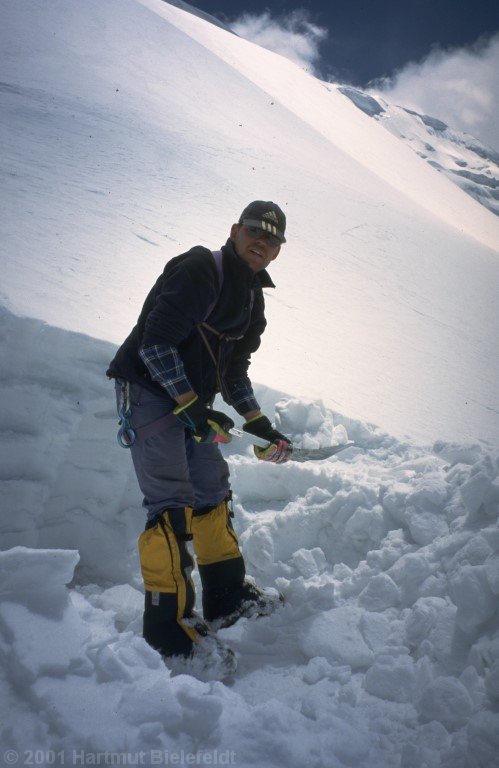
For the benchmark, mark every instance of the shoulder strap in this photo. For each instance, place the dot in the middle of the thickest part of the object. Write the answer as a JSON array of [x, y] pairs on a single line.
[[218, 256], [217, 359]]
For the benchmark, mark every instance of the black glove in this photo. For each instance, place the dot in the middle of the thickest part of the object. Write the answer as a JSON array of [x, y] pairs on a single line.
[[208, 426], [280, 448]]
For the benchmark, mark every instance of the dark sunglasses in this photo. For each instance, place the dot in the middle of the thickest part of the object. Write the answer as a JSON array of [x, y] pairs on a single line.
[[260, 234]]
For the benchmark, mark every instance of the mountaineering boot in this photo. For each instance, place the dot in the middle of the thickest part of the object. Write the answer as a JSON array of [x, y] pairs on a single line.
[[227, 594], [210, 657], [223, 607]]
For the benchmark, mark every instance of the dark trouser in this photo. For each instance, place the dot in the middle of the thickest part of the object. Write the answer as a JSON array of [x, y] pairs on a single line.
[[186, 488], [173, 470]]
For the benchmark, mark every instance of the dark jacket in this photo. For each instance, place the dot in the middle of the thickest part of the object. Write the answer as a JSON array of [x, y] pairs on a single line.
[[179, 302]]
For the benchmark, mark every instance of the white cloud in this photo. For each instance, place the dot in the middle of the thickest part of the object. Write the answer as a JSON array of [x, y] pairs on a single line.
[[292, 35], [459, 86]]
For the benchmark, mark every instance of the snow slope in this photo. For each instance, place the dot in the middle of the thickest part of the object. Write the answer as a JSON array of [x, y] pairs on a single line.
[[132, 130], [154, 135]]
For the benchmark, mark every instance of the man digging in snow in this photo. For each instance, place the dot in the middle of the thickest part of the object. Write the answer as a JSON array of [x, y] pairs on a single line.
[[198, 327]]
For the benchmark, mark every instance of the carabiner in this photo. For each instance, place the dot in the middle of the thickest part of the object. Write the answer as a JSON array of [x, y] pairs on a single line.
[[126, 434], [126, 437]]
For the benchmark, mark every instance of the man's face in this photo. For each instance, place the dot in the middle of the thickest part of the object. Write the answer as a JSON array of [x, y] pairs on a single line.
[[257, 249]]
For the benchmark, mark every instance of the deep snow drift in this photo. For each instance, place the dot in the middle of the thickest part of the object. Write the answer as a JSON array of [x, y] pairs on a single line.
[[132, 131]]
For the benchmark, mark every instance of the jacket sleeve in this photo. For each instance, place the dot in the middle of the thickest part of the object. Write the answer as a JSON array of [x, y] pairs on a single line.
[[165, 366], [183, 297]]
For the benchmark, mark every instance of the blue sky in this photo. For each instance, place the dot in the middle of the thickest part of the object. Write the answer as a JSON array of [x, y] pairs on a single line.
[[369, 39], [436, 56]]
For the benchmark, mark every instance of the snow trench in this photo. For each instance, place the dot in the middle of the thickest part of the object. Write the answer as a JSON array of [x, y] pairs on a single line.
[[385, 653]]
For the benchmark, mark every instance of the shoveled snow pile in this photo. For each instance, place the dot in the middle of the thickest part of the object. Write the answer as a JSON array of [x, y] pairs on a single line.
[[385, 653]]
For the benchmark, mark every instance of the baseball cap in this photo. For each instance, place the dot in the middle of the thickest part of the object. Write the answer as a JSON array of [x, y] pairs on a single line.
[[266, 215]]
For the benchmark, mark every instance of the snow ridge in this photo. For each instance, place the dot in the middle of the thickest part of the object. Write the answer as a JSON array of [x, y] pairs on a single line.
[[463, 159]]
